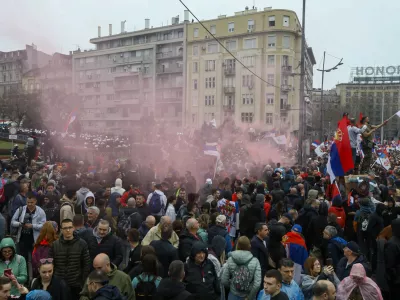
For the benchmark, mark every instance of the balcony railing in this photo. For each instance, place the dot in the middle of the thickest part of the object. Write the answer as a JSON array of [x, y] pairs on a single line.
[[126, 87], [169, 54], [169, 70], [286, 88], [229, 108], [230, 71], [286, 69], [229, 89]]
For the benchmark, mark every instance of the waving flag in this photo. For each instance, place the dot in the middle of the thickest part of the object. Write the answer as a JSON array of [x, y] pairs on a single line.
[[340, 158], [211, 149], [316, 143], [71, 118]]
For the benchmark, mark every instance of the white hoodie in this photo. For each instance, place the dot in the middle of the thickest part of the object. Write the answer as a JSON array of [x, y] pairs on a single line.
[[118, 187]]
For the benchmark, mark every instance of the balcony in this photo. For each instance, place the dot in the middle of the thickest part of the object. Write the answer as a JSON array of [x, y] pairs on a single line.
[[229, 108], [230, 71], [126, 74], [130, 101], [287, 69], [169, 85], [229, 89], [169, 54], [169, 70], [126, 87], [286, 88], [169, 99]]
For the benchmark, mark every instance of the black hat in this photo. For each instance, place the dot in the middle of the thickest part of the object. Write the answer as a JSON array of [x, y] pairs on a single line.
[[353, 247]]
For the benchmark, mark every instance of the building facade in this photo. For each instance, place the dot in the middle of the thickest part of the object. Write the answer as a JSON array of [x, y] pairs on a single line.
[[14, 64], [371, 98], [132, 75], [332, 112], [268, 44]]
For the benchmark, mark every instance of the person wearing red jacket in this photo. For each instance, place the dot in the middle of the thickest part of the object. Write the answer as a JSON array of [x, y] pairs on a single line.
[[133, 191], [338, 210]]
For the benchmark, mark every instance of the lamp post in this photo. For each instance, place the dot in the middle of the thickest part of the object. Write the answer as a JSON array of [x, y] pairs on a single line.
[[322, 90]]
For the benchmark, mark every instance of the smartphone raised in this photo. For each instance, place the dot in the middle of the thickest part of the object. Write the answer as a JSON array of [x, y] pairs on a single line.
[[329, 262], [8, 272]]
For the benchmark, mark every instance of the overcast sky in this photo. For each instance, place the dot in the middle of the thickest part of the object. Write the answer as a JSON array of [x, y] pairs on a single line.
[[363, 32]]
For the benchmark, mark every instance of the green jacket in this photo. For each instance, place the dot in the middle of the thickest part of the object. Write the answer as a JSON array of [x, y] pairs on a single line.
[[118, 279], [17, 264]]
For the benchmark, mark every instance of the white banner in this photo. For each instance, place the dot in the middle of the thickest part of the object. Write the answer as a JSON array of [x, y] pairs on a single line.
[[384, 162], [280, 140]]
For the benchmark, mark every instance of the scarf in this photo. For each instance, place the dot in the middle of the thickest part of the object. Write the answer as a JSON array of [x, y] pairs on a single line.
[[44, 242]]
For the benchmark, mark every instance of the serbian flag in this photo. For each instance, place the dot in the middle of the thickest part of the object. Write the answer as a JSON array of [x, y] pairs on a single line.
[[340, 158], [71, 119], [316, 143]]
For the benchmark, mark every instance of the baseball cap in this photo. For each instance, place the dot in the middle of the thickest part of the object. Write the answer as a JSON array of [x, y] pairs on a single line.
[[221, 219], [353, 247], [297, 228]]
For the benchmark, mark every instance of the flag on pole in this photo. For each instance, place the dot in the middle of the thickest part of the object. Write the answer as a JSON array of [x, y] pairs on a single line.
[[71, 119], [280, 140], [211, 149], [316, 143], [340, 158]]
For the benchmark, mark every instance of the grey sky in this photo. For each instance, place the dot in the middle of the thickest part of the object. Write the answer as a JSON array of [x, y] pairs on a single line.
[[363, 32]]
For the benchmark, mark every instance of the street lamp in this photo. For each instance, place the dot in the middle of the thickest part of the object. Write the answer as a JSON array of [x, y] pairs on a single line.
[[322, 90]]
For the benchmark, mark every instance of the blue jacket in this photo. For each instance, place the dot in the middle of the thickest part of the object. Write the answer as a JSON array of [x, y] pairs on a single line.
[[335, 249], [19, 201], [292, 290]]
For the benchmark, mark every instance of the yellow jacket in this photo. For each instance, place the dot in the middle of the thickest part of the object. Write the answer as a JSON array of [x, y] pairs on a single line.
[[154, 234]]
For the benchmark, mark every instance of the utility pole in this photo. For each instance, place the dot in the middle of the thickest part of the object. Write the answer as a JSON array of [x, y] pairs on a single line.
[[302, 114], [322, 99]]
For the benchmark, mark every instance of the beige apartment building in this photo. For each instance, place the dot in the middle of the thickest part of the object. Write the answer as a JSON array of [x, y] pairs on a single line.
[[268, 43]]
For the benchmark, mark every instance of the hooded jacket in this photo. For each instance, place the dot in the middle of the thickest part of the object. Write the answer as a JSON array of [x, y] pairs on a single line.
[[335, 249], [85, 204], [170, 289], [392, 255], [110, 245], [338, 211], [118, 280], [112, 203], [237, 259], [38, 219], [81, 196], [201, 280], [186, 241], [166, 253], [118, 187], [17, 264], [108, 292], [67, 208], [215, 251], [343, 270]]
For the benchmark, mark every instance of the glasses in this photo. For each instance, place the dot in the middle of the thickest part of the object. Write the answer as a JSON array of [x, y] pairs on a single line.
[[45, 261], [67, 228], [6, 251]]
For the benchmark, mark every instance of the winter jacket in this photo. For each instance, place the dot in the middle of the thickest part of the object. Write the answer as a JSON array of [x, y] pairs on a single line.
[[38, 219], [237, 259], [108, 292], [248, 218], [118, 187], [260, 251], [163, 199], [171, 212], [134, 258], [80, 198], [166, 253], [186, 241], [112, 203], [154, 234], [304, 219], [58, 288], [85, 204], [202, 233], [19, 201], [292, 290], [343, 270], [170, 289], [215, 251], [294, 201], [392, 255], [340, 214], [39, 252], [375, 224], [118, 279], [144, 211], [110, 245], [277, 195], [317, 226], [3, 225], [17, 264], [221, 231], [335, 249], [71, 260], [201, 280], [308, 282], [143, 230]]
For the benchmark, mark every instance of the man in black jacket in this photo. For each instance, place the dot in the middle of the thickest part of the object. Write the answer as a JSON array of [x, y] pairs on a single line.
[[220, 229], [352, 256], [392, 259], [187, 238], [71, 258], [107, 243], [277, 193], [166, 253], [135, 251], [259, 246]]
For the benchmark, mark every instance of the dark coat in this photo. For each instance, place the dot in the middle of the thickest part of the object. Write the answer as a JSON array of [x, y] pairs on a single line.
[[261, 253], [277, 195], [166, 253], [170, 289], [71, 260], [342, 271], [86, 234], [58, 289], [248, 218], [294, 201], [110, 245], [134, 258], [138, 269], [304, 219], [335, 250], [144, 211], [317, 226], [108, 292], [392, 255], [214, 231], [201, 280]]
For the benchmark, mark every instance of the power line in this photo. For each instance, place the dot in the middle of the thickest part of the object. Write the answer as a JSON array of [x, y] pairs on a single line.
[[270, 84]]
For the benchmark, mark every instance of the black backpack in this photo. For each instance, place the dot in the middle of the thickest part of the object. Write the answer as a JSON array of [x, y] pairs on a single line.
[[145, 290]]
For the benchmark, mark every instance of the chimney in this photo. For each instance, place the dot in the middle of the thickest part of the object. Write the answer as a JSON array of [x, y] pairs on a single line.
[[123, 26], [109, 29], [99, 31], [186, 16], [146, 23]]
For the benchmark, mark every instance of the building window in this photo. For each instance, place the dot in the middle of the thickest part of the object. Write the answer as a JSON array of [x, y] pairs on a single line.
[[110, 97], [285, 60], [210, 65], [286, 42], [271, 21], [271, 79], [195, 84], [209, 100], [250, 25], [247, 99], [231, 45], [213, 82], [268, 118], [213, 29], [195, 32], [231, 27], [271, 60], [212, 48], [195, 50], [250, 43], [286, 21], [269, 99], [271, 41], [247, 117], [195, 100], [249, 61], [248, 80], [195, 67], [206, 83]]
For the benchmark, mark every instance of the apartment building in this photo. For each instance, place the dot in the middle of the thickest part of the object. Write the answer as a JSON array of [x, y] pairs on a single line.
[[131, 75], [14, 64], [371, 98], [268, 44]]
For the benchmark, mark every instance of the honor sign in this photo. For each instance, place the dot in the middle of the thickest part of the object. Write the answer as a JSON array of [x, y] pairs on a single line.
[[377, 71]]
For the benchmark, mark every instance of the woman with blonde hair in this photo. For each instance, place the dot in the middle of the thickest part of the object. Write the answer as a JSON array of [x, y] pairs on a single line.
[[45, 240], [203, 220]]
